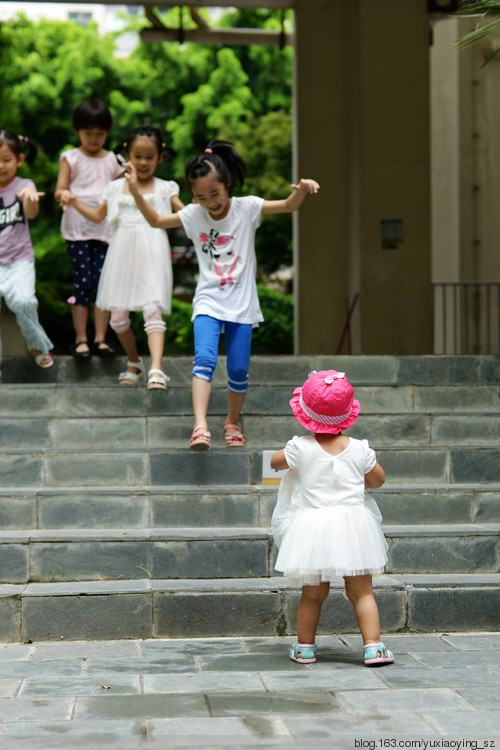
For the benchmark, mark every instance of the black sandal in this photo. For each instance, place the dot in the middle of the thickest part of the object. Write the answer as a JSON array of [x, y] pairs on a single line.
[[86, 354], [103, 351]]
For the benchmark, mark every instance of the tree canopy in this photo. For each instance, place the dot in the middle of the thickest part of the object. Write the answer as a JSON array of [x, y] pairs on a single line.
[[193, 93]]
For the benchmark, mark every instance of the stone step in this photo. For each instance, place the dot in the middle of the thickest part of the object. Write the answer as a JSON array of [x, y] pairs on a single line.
[[372, 369], [152, 608], [112, 554], [261, 431], [90, 401], [429, 465], [29, 508]]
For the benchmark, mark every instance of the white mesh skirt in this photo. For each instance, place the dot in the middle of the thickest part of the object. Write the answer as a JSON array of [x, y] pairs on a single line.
[[324, 544], [137, 271]]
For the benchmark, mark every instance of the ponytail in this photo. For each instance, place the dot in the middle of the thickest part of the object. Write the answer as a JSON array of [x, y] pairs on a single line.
[[220, 157], [19, 144]]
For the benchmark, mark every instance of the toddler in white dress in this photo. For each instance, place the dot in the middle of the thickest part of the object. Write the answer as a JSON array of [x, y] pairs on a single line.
[[324, 524]]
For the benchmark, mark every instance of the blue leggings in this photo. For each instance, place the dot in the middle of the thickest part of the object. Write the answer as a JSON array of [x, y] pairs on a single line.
[[207, 331]]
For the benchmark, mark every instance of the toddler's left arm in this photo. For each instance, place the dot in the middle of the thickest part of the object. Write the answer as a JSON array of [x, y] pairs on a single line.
[[278, 461]]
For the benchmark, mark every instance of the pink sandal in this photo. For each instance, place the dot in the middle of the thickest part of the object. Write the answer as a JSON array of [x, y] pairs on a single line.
[[200, 439], [233, 439]]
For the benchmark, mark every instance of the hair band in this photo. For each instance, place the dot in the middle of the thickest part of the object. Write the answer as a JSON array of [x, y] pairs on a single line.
[[323, 418], [208, 151]]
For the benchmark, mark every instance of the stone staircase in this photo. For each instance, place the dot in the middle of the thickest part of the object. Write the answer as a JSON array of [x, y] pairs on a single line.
[[112, 528]]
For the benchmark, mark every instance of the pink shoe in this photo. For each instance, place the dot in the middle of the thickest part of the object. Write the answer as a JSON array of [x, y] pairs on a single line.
[[200, 439], [235, 438]]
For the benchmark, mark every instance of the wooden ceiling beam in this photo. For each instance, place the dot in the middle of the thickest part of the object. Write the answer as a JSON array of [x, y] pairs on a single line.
[[250, 4], [226, 37]]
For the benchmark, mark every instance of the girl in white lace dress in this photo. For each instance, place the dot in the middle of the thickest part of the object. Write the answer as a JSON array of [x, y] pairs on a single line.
[[324, 525], [137, 272]]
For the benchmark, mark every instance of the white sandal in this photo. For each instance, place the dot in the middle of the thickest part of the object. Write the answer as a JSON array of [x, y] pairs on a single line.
[[132, 378], [157, 380], [44, 360]]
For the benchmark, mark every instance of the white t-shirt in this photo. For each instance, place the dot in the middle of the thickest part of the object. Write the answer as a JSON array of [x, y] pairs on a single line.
[[225, 251], [88, 178], [325, 480]]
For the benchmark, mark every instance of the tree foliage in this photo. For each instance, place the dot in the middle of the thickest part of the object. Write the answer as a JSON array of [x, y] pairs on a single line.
[[193, 93], [484, 10]]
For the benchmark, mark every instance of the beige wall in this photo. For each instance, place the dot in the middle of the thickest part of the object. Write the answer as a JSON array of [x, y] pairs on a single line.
[[363, 132], [322, 260], [465, 114]]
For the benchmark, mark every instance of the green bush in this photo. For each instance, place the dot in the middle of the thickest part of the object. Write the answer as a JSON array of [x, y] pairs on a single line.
[[275, 334], [54, 286]]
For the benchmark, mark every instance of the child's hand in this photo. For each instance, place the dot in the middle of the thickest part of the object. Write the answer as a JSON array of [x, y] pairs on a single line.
[[66, 200], [131, 177], [27, 193], [306, 186]]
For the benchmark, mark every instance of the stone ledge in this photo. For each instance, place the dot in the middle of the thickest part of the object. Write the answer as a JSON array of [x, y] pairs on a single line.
[[361, 369], [155, 608]]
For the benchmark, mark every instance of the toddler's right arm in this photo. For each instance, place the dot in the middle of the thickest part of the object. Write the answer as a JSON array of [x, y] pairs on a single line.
[[278, 461]]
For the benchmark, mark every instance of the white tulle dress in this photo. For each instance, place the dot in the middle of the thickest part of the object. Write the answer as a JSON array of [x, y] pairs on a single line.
[[324, 523], [137, 272]]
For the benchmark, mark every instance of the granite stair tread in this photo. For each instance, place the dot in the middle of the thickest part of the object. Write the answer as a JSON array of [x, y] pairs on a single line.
[[97, 483], [184, 533]]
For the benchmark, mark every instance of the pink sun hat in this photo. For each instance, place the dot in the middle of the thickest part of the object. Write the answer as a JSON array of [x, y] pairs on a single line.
[[325, 403]]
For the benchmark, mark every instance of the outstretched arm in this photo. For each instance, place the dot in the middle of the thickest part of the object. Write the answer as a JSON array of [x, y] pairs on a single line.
[[294, 200], [30, 201], [160, 221]]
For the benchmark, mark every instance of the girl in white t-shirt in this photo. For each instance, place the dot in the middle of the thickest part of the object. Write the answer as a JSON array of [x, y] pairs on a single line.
[[222, 229], [324, 524], [137, 272], [84, 172]]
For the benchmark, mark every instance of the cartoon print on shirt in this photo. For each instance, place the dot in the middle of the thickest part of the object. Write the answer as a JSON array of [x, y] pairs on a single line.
[[223, 261], [10, 215]]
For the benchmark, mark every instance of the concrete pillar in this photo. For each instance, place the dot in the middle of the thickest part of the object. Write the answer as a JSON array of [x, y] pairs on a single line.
[[322, 258], [362, 87]]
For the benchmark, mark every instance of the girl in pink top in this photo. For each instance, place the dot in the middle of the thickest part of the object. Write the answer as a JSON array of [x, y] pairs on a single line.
[[84, 172]]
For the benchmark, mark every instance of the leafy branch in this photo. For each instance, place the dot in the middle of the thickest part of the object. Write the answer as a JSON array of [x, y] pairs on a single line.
[[480, 9]]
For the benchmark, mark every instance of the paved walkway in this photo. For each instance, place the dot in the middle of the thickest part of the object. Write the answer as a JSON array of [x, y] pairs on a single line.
[[246, 693]]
